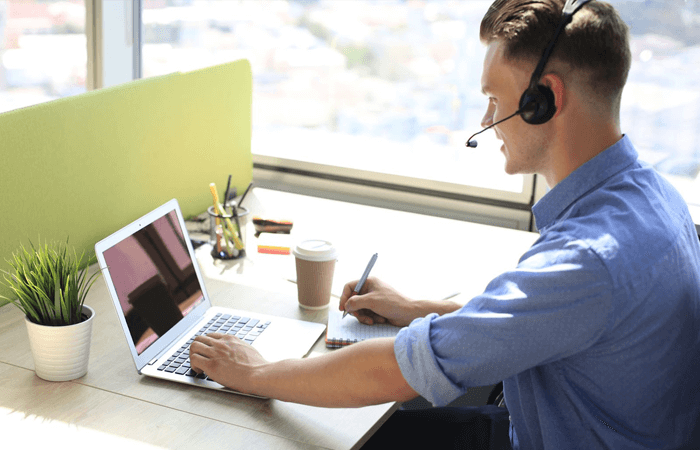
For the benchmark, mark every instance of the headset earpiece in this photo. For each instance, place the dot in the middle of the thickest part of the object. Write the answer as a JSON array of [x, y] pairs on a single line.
[[537, 105]]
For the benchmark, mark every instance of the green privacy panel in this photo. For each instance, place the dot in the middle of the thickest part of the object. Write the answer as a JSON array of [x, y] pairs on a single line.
[[84, 166]]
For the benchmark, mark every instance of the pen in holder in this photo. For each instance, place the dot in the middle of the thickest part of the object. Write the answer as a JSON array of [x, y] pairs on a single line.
[[226, 245]]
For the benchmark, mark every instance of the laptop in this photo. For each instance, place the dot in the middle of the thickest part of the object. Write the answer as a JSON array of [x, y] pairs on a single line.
[[158, 292]]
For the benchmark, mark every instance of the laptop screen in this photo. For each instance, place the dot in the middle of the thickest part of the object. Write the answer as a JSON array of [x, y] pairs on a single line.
[[155, 280]]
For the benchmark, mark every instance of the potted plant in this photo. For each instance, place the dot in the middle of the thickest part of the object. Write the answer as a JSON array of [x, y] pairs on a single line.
[[49, 284]]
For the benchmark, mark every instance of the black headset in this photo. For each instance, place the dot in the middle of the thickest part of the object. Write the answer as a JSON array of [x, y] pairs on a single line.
[[537, 102]]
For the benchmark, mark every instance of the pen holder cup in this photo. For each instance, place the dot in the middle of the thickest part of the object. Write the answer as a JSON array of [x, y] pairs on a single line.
[[227, 232]]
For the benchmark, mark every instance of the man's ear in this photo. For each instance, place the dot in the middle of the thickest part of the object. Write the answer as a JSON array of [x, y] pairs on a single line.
[[556, 84]]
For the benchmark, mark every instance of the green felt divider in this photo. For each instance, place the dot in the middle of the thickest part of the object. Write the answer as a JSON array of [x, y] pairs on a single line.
[[84, 166]]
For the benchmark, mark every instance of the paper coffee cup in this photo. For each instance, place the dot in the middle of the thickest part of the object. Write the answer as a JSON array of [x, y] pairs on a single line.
[[315, 262]]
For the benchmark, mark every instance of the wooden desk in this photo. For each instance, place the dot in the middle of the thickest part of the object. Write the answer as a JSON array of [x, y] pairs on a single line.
[[112, 404]]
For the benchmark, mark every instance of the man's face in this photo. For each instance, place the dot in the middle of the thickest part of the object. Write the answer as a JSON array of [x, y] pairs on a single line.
[[503, 82]]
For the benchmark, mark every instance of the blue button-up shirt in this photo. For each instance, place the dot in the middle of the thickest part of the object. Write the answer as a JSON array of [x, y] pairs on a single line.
[[596, 332]]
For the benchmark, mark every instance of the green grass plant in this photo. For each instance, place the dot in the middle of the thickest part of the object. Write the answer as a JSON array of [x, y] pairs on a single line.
[[50, 283]]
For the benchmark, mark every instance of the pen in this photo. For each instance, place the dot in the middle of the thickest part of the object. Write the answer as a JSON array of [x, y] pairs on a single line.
[[234, 208], [361, 283], [228, 186], [240, 202]]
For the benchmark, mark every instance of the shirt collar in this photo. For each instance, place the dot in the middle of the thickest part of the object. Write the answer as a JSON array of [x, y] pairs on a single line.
[[604, 165]]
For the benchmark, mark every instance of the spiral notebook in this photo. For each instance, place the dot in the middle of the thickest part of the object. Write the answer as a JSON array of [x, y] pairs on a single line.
[[347, 331]]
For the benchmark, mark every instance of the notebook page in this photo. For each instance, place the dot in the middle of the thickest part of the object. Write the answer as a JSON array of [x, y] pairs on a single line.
[[349, 330]]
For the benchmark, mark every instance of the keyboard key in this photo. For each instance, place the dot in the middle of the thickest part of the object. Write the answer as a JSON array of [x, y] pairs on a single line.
[[171, 369], [244, 320], [182, 370], [252, 323], [249, 341], [191, 373], [163, 366]]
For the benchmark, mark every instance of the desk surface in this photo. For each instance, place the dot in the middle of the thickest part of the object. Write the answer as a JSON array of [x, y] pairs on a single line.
[[420, 255]]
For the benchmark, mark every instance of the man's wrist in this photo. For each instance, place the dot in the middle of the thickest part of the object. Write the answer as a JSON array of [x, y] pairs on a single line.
[[254, 379]]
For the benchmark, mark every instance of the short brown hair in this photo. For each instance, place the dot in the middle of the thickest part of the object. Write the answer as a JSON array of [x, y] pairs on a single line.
[[596, 41]]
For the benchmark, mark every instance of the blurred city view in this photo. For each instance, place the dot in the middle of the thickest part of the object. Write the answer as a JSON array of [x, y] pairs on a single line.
[[43, 52], [385, 86]]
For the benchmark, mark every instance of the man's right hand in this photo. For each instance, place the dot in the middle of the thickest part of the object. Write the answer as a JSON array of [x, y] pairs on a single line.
[[378, 303]]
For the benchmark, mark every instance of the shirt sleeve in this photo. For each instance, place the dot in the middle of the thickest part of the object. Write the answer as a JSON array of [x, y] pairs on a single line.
[[555, 303]]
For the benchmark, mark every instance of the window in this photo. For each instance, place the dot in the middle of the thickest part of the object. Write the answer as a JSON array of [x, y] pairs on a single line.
[[660, 104], [385, 92], [43, 52], [388, 91]]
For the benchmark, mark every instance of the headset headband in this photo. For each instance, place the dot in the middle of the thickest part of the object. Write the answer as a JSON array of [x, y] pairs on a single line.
[[570, 8]]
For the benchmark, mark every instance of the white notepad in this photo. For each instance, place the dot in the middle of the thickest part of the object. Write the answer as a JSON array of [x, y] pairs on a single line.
[[347, 331]]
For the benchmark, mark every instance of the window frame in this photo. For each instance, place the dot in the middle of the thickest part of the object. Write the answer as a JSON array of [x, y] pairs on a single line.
[[113, 28]]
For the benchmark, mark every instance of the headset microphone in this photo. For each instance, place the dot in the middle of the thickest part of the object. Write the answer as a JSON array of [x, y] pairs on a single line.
[[472, 143]]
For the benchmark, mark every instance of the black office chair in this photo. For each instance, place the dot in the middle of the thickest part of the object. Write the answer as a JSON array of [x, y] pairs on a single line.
[[500, 437], [496, 396]]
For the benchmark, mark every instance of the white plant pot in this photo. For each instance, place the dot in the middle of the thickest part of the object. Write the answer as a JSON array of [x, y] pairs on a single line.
[[61, 353]]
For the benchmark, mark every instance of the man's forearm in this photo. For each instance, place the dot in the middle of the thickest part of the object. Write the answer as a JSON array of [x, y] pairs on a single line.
[[436, 306], [361, 374]]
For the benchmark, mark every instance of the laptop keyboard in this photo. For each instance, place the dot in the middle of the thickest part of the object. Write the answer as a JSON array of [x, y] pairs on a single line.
[[244, 328]]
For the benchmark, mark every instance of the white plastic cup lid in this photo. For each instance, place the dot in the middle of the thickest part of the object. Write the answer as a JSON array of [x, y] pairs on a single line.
[[315, 250]]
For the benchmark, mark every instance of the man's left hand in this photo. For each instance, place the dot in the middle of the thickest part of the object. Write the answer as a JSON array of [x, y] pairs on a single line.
[[225, 359]]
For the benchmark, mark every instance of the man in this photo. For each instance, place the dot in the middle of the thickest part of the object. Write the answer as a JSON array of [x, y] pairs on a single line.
[[596, 332]]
